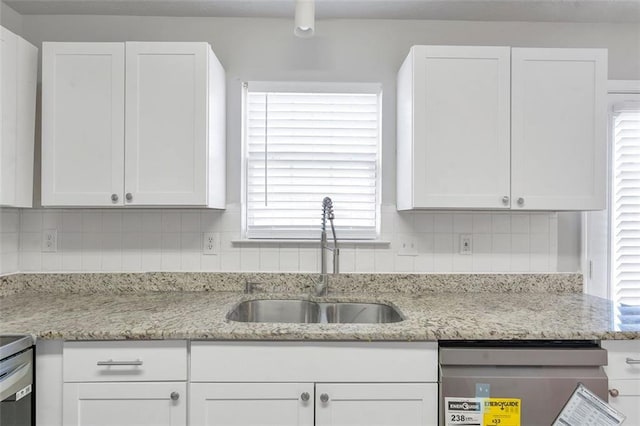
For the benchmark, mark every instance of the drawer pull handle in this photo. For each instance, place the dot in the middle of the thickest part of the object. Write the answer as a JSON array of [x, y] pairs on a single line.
[[633, 361], [614, 393], [305, 396], [175, 396], [112, 362]]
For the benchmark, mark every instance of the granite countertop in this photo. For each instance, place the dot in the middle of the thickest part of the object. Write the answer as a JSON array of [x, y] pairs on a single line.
[[194, 306]]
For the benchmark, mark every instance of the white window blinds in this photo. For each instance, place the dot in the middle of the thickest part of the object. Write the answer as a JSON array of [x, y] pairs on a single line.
[[625, 216], [303, 146]]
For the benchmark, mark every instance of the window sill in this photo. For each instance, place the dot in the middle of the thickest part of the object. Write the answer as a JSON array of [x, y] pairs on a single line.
[[306, 243]]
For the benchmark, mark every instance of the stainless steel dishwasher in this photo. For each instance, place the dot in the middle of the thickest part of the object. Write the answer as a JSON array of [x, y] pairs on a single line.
[[541, 374]]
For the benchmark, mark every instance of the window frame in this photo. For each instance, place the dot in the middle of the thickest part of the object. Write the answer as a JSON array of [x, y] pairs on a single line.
[[308, 87], [599, 262]]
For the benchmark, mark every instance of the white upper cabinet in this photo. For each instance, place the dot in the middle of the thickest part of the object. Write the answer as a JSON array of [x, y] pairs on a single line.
[[558, 143], [19, 65], [156, 140], [496, 127], [453, 128], [82, 124]]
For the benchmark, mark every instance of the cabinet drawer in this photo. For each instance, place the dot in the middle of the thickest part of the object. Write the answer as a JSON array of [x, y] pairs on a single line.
[[125, 361], [623, 359], [314, 362]]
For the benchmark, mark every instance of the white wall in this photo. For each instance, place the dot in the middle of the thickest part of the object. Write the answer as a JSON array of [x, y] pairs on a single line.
[[10, 19], [342, 50]]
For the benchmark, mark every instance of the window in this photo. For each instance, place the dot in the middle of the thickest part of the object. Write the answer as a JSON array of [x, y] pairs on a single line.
[[625, 214], [303, 142]]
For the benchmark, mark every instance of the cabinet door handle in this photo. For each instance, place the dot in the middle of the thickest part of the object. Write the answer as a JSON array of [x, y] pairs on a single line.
[[633, 361], [505, 200], [324, 398], [112, 362], [174, 396], [129, 196], [305, 396], [521, 201], [614, 393], [114, 198]]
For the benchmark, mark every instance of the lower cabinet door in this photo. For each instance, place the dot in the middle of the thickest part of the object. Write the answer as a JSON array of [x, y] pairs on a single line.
[[124, 404], [377, 404], [251, 404], [628, 399]]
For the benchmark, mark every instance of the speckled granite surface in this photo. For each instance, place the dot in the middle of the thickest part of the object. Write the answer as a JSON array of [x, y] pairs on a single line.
[[133, 311], [290, 282]]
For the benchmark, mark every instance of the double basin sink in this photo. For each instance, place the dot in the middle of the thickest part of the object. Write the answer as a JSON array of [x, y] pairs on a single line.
[[309, 312]]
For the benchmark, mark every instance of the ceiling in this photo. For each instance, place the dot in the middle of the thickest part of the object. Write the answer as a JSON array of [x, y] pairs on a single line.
[[472, 10]]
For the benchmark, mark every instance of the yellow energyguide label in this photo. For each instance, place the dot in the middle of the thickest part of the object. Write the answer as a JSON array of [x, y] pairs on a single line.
[[501, 411]]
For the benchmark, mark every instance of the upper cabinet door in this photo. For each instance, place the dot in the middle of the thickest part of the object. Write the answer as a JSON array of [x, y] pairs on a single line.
[[559, 129], [459, 148], [166, 132], [82, 124], [9, 55]]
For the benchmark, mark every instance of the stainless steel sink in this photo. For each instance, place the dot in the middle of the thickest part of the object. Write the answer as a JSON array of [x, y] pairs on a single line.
[[361, 313], [304, 312], [292, 311]]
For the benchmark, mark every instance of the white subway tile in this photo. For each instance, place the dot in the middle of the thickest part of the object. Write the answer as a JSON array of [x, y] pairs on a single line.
[[52, 262], [405, 263], [209, 263], [288, 260], [91, 221], [250, 259], [269, 259], [191, 242], [540, 223], [151, 261], [442, 223], [423, 263], [482, 223], [72, 261], [131, 221], [520, 223], [308, 259], [190, 261], [30, 261], [72, 221], [31, 221], [171, 221], [190, 221], [481, 244], [230, 261], [403, 223], [152, 222], [365, 260], [423, 222], [501, 223], [384, 259], [171, 261], [463, 223], [52, 219]]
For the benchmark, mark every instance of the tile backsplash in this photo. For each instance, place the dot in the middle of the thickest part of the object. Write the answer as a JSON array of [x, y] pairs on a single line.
[[109, 240], [9, 240]]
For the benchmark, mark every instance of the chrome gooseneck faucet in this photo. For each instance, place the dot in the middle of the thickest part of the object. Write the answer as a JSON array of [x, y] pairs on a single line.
[[322, 287]]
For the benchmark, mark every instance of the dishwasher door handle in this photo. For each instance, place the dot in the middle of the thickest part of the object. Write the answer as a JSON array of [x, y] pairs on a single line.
[[633, 361]]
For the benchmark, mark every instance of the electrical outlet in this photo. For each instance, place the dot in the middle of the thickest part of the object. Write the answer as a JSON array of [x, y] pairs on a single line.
[[50, 240], [408, 246], [210, 243], [465, 244]]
